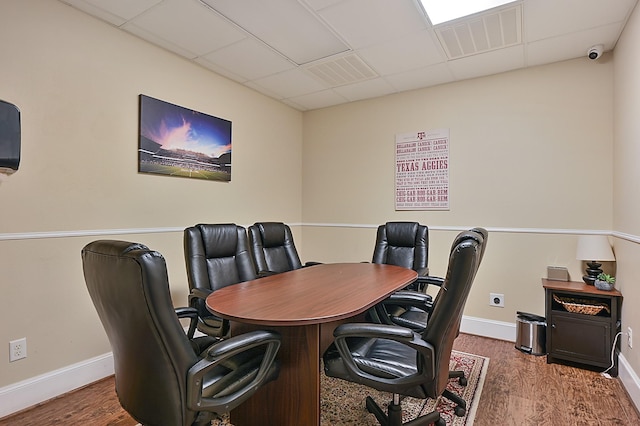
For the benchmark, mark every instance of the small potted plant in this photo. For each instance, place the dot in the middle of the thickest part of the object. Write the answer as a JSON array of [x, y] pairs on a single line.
[[605, 281]]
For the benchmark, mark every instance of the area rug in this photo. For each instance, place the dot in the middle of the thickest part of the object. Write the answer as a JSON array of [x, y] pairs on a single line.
[[342, 402]]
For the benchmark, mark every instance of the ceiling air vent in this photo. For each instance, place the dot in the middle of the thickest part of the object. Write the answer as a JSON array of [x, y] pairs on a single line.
[[481, 33], [344, 70]]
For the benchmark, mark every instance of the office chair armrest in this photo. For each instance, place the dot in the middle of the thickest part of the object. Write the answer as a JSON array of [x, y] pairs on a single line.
[[186, 312], [389, 332], [207, 323], [390, 310], [431, 280], [192, 314], [223, 352], [311, 263], [410, 298], [423, 281], [413, 298], [242, 342], [382, 331], [199, 293]]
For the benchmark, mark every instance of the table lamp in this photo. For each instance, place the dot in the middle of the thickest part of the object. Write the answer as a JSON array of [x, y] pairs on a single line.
[[593, 249]]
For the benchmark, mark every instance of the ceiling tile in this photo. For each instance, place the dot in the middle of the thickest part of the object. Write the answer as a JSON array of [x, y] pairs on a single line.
[[363, 90], [321, 4], [188, 25], [412, 51], [116, 12], [165, 43], [294, 105], [218, 69], [250, 59], [289, 84], [363, 23], [422, 77], [291, 28], [322, 99], [549, 18]]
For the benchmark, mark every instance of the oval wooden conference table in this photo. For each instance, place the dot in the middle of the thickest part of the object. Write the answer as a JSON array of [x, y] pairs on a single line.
[[304, 306]]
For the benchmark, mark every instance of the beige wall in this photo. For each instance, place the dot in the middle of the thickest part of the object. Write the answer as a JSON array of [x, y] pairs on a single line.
[[522, 145], [76, 81], [626, 175]]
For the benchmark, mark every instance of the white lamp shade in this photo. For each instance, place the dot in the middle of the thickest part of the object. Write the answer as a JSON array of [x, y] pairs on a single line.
[[594, 247]]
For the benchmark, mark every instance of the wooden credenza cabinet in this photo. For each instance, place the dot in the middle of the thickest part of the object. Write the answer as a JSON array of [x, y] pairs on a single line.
[[579, 337]]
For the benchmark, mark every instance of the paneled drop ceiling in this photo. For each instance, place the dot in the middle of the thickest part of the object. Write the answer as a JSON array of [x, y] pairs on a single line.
[[312, 54]]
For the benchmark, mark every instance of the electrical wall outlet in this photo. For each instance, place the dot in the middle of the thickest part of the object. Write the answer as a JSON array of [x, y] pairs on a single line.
[[17, 349], [496, 299], [630, 337]]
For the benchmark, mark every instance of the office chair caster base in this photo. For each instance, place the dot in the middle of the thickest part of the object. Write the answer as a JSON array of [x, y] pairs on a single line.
[[461, 404], [394, 415], [381, 416], [460, 376]]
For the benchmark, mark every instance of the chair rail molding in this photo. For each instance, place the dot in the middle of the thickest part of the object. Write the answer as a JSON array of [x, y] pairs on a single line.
[[125, 231]]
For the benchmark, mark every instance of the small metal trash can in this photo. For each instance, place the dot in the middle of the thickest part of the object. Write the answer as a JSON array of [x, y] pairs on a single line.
[[531, 333]]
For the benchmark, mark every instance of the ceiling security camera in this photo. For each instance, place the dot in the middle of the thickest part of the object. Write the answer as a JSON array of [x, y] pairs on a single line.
[[595, 52]]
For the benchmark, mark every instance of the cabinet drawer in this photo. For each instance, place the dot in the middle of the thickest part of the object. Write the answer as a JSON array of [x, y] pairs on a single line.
[[580, 338]]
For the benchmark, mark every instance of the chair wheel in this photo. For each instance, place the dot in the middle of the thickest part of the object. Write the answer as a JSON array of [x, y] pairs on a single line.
[[462, 381], [459, 411], [441, 422]]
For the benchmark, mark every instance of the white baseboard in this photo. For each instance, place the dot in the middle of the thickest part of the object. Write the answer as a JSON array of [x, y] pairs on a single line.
[[489, 328], [630, 380], [27, 393]]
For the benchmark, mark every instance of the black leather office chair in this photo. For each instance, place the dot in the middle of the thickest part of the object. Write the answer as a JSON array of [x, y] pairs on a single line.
[[411, 309], [398, 360], [404, 244], [272, 247], [216, 255], [164, 378]]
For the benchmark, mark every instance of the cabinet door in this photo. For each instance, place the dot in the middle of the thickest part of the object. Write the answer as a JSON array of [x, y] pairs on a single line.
[[580, 338]]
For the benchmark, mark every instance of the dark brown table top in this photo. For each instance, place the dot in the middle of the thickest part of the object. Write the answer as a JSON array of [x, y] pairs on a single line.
[[578, 287], [311, 295]]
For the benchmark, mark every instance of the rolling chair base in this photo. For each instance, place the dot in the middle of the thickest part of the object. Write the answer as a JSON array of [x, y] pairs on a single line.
[[461, 404], [460, 376], [394, 415]]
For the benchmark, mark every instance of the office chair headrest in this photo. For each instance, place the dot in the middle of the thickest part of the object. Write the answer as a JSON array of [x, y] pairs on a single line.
[[114, 247], [273, 234], [219, 240], [401, 234]]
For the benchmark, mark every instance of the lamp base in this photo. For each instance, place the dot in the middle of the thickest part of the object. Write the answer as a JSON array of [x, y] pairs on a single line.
[[592, 271]]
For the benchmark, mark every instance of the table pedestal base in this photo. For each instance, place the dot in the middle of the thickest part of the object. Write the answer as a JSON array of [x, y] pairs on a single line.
[[294, 398]]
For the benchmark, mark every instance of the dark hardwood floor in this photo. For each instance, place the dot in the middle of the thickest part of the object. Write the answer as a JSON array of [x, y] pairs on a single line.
[[519, 390]]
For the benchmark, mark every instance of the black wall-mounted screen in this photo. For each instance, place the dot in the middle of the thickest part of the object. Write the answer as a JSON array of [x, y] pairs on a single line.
[[9, 136]]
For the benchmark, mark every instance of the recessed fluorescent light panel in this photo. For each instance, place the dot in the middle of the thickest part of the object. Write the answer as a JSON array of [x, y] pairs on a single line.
[[440, 11]]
